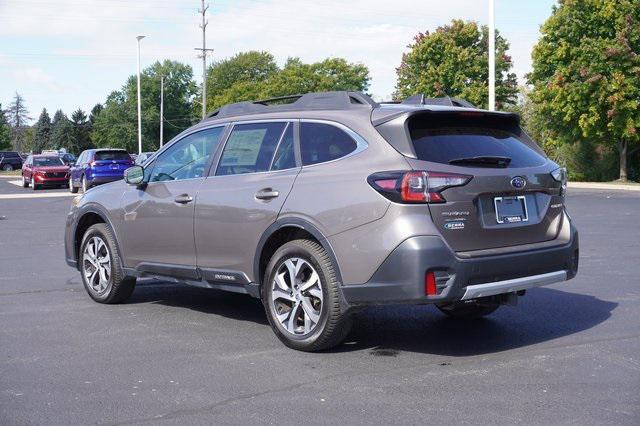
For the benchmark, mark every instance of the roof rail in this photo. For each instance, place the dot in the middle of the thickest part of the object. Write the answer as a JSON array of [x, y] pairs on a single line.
[[310, 101], [445, 101]]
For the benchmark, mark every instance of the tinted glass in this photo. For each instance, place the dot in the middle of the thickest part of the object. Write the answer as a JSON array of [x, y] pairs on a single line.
[[320, 142], [47, 161], [250, 148], [446, 139], [112, 155], [187, 158], [285, 157]]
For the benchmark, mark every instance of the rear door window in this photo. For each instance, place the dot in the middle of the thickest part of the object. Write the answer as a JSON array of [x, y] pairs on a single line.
[[321, 142], [472, 141], [250, 148], [285, 156]]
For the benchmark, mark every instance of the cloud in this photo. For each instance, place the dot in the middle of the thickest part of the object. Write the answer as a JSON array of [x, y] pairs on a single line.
[[96, 38]]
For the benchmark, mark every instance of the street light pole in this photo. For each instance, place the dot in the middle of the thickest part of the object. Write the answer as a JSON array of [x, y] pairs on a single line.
[[161, 109], [140, 37], [492, 57]]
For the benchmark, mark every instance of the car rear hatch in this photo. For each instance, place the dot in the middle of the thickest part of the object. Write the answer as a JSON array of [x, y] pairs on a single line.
[[111, 162], [507, 195]]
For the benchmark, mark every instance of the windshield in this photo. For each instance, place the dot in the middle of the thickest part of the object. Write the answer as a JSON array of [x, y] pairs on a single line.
[[112, 155], [47, 161], [473, 142]]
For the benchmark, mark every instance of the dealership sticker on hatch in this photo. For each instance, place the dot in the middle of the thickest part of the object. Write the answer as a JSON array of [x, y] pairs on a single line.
[[454, 225]]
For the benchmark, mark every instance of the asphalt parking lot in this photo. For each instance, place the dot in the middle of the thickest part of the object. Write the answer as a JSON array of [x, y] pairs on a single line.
[[568, 353]]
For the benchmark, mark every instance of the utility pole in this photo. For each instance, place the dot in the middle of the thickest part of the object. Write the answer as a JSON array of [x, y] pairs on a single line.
[[161, 109], [203, 55], [492, 57], [140, 37]]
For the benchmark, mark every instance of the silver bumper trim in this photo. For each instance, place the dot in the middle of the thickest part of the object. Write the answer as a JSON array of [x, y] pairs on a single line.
[[510, 286]]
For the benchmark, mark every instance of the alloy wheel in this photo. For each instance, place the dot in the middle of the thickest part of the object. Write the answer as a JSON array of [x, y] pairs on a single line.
[[296, 296], [96, 264]]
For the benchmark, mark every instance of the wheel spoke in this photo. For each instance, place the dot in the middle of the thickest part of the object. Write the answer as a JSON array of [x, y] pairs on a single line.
[[313, 280], [315, 292], [279, 279], [291, 324], [281, 294], [307, 307]]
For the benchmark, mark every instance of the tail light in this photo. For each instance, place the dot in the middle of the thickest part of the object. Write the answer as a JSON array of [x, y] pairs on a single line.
[[416, 186], [560, 175]]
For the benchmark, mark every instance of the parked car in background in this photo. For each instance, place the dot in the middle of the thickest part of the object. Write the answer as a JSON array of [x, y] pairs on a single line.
[[97, 166], [44, 170], [50, 152], [68, 158], [333, 202], [10, 160], [142, 158]]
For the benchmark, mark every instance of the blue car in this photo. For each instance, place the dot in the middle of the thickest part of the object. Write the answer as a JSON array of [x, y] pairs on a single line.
[[96, 166]]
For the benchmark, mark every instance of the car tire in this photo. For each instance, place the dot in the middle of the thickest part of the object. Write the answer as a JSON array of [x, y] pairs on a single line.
[[112, 286], [25, 182], [468, 310], [85, 185], [73, 189], [34, 185], [7, 168], [332, 319]]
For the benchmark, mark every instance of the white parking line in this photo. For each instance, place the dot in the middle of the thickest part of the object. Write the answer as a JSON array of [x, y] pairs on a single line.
[[36, 195], [15, 182]]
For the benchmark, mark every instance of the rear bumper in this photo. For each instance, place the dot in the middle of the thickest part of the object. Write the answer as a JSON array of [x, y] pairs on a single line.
[[401, 277], [98, 180]]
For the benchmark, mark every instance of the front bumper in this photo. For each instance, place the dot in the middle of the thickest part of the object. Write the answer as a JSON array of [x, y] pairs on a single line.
[[401, 277]]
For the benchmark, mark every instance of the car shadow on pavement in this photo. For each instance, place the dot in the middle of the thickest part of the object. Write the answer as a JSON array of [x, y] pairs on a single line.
[[544, 314], [230, 305]]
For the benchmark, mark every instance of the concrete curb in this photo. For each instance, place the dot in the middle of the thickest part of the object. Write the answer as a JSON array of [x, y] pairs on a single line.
[[603, 185]]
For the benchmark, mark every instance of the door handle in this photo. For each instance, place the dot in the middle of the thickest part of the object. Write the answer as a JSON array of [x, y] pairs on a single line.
[[183, 199], [266, 194]]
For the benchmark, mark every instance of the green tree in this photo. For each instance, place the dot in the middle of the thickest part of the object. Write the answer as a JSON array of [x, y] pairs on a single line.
[[42, 135], [454, 61], [5, 131], [61, 132], [255, 75], [18, 119], [586, 74], [116, 124], [81, 128]]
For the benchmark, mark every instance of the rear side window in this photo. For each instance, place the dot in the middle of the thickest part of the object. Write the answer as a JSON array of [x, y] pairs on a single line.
[[320, 142], [111, 155], [250, 148], [472, 140]]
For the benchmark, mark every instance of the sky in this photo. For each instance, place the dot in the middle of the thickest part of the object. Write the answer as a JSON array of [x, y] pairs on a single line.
[[69, 54]]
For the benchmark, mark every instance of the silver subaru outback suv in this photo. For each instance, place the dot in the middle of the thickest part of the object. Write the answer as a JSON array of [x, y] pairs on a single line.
[[322, 203]]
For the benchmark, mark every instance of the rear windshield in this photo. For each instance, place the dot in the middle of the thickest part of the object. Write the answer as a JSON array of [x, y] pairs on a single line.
[[47, 161], [472, 141], [112, 155]]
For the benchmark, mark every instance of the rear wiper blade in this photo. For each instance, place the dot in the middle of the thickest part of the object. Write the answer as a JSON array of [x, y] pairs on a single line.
[[483, 161]]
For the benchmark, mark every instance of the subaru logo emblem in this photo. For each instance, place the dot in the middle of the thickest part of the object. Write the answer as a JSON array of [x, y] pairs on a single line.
[[518, 182]]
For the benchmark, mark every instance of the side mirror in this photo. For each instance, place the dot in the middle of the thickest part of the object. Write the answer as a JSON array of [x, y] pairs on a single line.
[[134, 175]]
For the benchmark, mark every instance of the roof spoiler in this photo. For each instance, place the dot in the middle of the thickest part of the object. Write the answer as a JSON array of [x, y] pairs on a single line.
[[444, 101]]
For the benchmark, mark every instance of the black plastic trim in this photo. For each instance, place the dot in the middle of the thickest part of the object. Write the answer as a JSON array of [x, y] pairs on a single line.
[[299, 223]]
